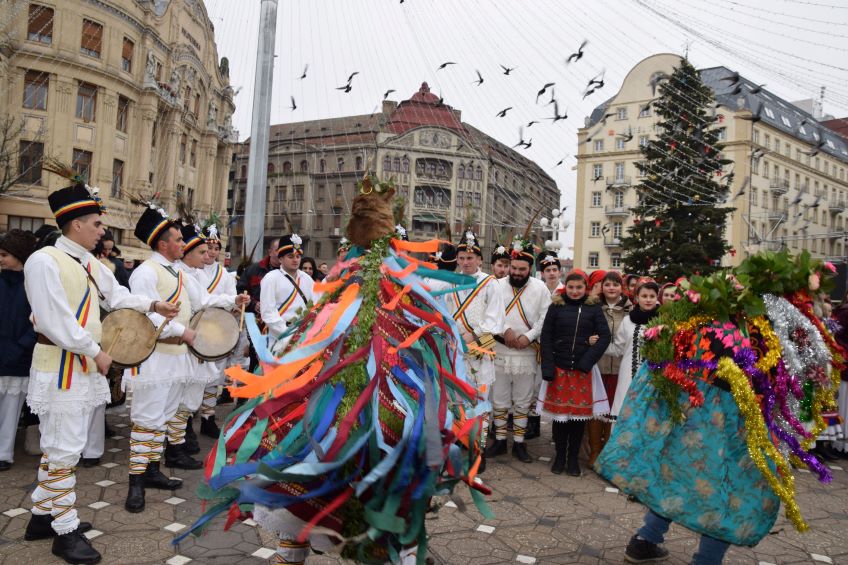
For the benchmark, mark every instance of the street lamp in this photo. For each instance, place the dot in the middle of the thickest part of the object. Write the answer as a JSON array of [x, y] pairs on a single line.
[[555, 225]]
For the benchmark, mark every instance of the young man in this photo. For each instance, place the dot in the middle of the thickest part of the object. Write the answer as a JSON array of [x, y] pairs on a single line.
[[158, 384], [526, 301], [551, 270], [66, 286], [284, 291], [479, 313], [500, 262]]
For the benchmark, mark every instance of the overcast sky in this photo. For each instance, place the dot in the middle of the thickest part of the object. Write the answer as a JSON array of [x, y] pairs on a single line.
[[795, 47]]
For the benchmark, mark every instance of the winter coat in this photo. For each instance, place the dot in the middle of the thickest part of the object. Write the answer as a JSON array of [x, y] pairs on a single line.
[[251, 279], [17, 336], [565, 335], [615, 315]]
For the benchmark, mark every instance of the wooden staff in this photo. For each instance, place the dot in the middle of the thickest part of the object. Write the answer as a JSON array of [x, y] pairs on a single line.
[[241, 320]]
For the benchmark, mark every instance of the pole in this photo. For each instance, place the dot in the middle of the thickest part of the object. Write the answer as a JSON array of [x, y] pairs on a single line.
[[257, 173]]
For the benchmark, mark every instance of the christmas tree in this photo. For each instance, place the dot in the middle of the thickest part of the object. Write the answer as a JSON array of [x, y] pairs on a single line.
[[680, 219]]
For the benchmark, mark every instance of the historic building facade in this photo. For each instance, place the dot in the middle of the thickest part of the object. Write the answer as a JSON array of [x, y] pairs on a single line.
[[795, 197], [448, 173], [130, 93]]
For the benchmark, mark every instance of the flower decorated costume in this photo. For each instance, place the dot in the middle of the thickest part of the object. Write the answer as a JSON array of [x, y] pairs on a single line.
[[350, 432], [714, 413]]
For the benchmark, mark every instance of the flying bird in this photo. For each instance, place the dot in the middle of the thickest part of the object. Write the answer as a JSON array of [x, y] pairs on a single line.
[[757, 89], [594, 85], [627, 136], [386, 94], [656, 78], [597, 178], [293, 105], [530, 123], [507, 70], [817, 147], [347, 88], [742, 189], [443, 65], [305, 68], [756, 115], [502, 113], [560, 162], [353, 74], [521, 142], [544, 89], [574, 57], [557, 116], [732, 78], [479, 80]]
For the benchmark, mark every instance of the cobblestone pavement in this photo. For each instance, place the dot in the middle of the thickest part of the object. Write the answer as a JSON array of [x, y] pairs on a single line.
[[540, 518]]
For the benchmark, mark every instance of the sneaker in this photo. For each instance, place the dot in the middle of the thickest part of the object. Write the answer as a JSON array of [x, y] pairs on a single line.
[[642, 551]]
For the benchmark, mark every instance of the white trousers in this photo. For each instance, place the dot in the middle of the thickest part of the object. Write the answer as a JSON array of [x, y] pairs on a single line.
[[151, 407], [95, 444], [10, 413], [513, 391]]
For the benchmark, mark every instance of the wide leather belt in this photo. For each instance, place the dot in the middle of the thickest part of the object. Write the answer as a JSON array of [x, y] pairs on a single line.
[[43, 340], [171, 341]]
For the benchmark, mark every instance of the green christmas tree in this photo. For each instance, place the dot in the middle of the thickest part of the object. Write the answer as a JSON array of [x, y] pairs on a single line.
[[680, 219]]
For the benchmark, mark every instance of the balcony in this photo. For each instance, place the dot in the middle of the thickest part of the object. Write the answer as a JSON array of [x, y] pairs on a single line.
[[612, 242], [836, 206], [779, 186], [613, 211], [776, 215], [336, 233], [618, 181]]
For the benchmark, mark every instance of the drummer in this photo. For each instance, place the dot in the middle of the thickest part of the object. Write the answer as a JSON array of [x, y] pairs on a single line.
[[218, 281], [285, 291], [180, 431], [67, 382]]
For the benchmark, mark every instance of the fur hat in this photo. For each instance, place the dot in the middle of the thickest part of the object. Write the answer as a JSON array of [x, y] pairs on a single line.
[[19, 243]]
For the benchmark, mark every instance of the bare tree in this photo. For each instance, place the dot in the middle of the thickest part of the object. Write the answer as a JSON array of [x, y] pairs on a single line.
[[15, 166]]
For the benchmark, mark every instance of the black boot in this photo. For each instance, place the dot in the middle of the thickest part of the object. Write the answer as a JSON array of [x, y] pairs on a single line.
[[75, 548], [177, 458], [575, 438], [154, 478], [642, 551], [39, 527], [191, 446], [225, 397], [135, 494], [534, 427], [209, 428], [519, 451], [497, 447], [561, 443]]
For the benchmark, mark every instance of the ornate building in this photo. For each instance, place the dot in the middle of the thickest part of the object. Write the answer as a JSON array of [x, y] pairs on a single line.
[[448, 173], [130, 92], [793, 163]]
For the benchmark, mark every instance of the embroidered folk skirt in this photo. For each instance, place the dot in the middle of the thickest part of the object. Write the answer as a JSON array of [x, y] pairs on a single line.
[[568, 395]]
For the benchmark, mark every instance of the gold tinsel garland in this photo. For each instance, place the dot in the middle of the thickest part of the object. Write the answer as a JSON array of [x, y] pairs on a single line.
[[759, 443], [771, 342]]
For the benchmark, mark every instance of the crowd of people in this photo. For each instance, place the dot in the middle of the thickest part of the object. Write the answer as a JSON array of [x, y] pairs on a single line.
[[539, 343]]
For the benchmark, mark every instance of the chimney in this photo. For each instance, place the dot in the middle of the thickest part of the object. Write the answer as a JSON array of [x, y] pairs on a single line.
[[389, 106]]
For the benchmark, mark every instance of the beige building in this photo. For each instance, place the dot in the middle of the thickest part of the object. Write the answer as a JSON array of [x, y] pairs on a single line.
[[446, 171], [794, 199], [130, 92]]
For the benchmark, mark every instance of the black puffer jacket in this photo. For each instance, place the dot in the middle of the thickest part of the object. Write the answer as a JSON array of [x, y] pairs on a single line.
[[565, 335]]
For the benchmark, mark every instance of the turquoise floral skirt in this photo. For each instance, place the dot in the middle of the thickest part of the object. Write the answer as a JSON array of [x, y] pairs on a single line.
[[697, 473]]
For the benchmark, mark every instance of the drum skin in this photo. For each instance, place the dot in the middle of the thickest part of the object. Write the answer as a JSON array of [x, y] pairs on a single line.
[[217, 334], [128, 337]]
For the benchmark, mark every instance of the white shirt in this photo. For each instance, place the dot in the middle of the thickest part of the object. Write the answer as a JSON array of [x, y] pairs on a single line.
[[51, 313], [144, 282], [193, 281], [276, 290], [534, 302], [227, 284], [485, 312]]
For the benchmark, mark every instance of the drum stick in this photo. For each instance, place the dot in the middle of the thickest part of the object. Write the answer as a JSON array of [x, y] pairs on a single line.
[[241, 320], [114, 341], [162, 326]]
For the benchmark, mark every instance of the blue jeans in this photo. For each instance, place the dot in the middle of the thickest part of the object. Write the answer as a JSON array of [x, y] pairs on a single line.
[[710, 550]]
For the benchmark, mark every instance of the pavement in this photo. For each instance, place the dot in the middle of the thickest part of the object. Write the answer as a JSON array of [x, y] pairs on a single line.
[[540, 518]]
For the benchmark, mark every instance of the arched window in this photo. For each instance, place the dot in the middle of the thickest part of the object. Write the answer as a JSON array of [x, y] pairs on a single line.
[[271, 168], [340, 164], [322, 166], [479, 173], [304, 166], [287, 167], [387, 163], [358, 163], [461, 172], [396, 164], [405, 167]]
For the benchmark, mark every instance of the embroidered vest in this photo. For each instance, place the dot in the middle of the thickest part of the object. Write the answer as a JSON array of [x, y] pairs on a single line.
[[170, 288], [85, 304]]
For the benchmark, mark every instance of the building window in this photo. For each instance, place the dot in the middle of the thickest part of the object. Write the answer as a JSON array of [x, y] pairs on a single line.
[[304, 166], [82, 164], [196, 104], [593, 260], [30, 156], [620, 143], [396, 164], [405, 165], [244, 171], [460, 172], [597, 170], [596, 199], [35, 90], [645, 111], [183, 143], [621, 113], [618, 199], [756, 136], [340, 164], [721, 134], [322, 166], [117, 177], [86, 101], [319, 223], [358, 164], [40, 26], [615, 260], [287, 167], [190, 198], [123, 114], [765, 169], [192, 158], [754, 197], [643, 141], [619, 172], [387, 163], [617, 229], [768, 141], [92, 38], [127, 55], [599, 145], [595, 229], [187, 98]]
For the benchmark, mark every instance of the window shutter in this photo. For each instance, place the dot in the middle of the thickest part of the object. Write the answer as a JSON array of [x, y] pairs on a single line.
[[92, 36]]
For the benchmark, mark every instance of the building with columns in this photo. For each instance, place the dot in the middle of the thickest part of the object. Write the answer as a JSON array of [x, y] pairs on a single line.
[[130, 93], [447, 173], [795, 197]]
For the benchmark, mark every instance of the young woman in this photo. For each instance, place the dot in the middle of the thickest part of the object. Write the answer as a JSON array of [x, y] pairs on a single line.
[[308, 266], [628, 338], [616, 307], [570, 391], [668, 293], [17, 338]]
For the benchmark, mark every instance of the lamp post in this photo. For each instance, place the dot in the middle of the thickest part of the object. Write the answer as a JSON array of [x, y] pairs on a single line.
[[555, 224]]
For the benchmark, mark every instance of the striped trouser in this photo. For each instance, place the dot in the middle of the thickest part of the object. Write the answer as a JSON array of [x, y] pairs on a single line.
[[177, 426], [291, 552], [519, 424], [55, 495], [210, 400], [146, 445]]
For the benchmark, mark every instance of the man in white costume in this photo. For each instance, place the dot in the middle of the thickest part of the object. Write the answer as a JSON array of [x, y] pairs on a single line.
[[285, 291], [66, 287]]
